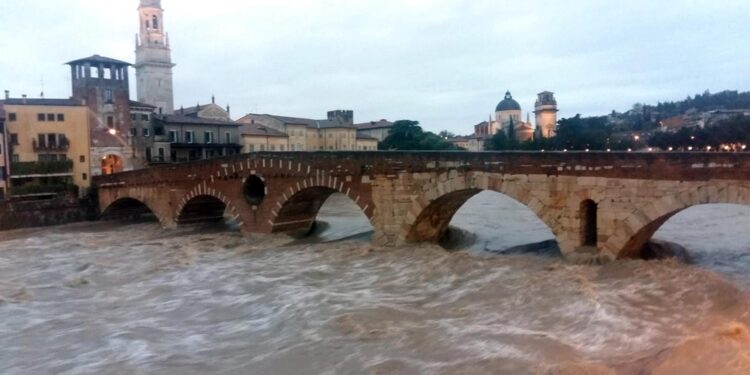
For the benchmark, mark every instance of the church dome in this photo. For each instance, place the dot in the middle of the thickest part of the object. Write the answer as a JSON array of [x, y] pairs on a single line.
[[508, 104]]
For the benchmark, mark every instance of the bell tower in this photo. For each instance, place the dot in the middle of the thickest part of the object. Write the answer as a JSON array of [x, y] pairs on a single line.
[[546, 110], [153, 58]]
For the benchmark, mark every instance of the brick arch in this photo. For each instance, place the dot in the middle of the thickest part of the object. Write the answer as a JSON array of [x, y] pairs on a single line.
[[297, 208], [205, 193], [143, 196], [127, 207], [638, 228], [428, 219]]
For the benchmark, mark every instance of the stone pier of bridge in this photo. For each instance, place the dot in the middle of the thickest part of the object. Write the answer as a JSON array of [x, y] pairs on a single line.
[[610, 203]]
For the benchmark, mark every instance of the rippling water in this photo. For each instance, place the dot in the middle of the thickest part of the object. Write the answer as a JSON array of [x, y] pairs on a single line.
[[107, 298]]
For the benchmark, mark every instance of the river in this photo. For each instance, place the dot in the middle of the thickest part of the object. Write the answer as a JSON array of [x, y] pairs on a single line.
[[115, 298]]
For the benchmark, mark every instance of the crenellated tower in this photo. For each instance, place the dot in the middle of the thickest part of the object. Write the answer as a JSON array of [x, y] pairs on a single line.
[[153, 58]]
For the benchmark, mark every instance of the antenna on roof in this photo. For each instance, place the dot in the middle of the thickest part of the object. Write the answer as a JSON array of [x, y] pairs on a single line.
[[41, 94]]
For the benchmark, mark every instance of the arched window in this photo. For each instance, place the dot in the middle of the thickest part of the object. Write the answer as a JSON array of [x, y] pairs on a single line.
[[156, 22], [147, 24]]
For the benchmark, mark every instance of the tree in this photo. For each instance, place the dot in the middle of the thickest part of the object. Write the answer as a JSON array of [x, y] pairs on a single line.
[[407, 135]]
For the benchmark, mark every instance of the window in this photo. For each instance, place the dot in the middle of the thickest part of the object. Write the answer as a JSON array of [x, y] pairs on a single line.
[[133, 132], [132, 116], [51, 117], [107, 73], [208, 137], [144, 117], [110, 122], [291, 147], [40, 117], [155, 22], [172, 136], [161, 153], [263, 147], [273, 147], [148, 24], [82, 159], [250, 148], [84, 177], [60, 117], [94, 72], [227, 137], [281, 148], [14, 158], [148, 154], [300, 147], [14, 139], [189, 136], [108, 97], [146, 132], [11, 117]]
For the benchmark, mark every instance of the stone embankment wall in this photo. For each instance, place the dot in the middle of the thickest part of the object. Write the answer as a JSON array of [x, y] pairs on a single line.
[[48, 212]]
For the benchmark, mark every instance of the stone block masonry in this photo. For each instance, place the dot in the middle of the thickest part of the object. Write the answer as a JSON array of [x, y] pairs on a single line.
[[412, 196]]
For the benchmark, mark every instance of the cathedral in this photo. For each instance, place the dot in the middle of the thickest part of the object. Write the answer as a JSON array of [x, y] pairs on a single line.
[[508, 118]]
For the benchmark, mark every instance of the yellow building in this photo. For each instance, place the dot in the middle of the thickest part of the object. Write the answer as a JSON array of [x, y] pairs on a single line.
[[260, 138], [48, 141]]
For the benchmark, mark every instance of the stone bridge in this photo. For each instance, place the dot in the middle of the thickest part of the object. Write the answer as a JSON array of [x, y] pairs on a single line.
[[610, 202]]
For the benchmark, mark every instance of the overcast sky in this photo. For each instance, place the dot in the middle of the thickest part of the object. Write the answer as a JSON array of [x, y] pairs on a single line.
[[443, 63]]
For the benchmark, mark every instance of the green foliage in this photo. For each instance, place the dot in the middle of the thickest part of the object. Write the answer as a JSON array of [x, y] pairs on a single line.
[[407, 135], [41, 167], [38, 188]]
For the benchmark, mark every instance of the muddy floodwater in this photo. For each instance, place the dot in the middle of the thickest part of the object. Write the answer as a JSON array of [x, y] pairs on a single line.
[[114, 298]]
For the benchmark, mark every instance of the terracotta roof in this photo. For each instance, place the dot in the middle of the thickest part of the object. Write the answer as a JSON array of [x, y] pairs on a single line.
[[181, 119], [382, 124], [98, 59], [260, 130], [43, 101]]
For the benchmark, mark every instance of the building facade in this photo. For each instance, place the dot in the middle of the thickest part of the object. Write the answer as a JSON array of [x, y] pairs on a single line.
[[153, 59], [48, 143], [335, 133], [379, 130], [102, 84]]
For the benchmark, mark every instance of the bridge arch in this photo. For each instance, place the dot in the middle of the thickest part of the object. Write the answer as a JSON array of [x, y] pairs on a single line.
[[128, 208], [298, 210], [638, 228], [431, 214], [205, 204]]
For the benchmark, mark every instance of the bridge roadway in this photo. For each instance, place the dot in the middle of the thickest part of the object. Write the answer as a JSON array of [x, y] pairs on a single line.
[[613, 202]]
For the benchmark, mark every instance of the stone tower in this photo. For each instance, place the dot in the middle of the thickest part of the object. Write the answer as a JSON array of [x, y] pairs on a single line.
[[546, 110], [153, 58], [102, 84]]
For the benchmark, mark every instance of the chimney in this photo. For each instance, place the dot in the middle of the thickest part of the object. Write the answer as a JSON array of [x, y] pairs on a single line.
[[228, 111], [7, 94], [213, 99]]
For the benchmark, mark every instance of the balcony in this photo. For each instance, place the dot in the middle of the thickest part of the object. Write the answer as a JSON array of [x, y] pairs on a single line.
[[41, 168], [36, 189], [62, 145]]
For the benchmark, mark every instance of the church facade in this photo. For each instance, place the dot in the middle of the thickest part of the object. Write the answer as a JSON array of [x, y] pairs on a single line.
[[508, 118]]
